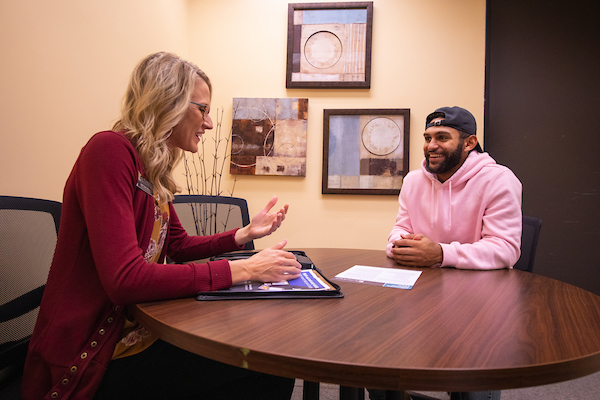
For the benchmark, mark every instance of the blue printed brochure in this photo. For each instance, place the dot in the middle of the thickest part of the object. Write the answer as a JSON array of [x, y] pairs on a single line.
[[310, 284]]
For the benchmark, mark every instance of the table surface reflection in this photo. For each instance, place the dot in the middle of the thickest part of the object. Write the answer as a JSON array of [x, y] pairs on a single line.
[[455, 330]]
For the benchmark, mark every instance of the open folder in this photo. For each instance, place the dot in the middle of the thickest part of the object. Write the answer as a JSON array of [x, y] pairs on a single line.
[[311, 284]]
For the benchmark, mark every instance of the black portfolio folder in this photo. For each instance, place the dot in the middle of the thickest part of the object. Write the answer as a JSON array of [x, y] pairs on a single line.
[[311, 284]]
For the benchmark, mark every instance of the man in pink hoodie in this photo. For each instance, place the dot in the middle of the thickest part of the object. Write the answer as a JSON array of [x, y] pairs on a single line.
[[461, 209]]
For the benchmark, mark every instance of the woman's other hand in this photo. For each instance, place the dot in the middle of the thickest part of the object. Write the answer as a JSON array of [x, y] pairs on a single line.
[[269, 265]]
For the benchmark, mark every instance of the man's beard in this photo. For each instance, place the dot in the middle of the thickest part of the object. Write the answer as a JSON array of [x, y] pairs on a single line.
[[451, 160]]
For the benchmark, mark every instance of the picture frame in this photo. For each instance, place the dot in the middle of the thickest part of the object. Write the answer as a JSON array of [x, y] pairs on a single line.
[[329, 45], [365, 151], [268, 136]]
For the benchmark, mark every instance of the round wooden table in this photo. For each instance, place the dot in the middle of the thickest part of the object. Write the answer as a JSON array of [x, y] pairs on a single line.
[[455, 330]]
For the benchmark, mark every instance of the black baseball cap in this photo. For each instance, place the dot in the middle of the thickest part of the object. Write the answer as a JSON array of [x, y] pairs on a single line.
[[454, 117]]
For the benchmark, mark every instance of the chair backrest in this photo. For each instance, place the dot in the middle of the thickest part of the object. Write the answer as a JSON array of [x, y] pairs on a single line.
[[28, 233], [205, 215], [529, 240]]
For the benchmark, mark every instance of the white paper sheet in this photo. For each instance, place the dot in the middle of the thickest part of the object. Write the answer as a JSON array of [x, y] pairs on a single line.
[[386, 277]]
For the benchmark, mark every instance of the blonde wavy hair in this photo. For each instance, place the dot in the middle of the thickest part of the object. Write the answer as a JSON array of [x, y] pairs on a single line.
[[157, 98]]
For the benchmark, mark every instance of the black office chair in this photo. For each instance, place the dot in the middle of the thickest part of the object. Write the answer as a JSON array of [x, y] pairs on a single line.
[[28, 233], [206, 215], [529, 240]]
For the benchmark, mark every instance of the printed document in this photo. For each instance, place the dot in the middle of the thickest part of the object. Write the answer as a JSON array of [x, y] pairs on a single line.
[[386, 277]]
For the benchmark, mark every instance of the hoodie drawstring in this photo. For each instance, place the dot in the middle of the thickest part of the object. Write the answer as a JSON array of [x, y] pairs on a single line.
[[431, 213], [434, 206], [450, 205]]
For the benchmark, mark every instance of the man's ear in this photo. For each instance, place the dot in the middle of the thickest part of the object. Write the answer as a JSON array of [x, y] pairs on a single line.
[[471, 143]]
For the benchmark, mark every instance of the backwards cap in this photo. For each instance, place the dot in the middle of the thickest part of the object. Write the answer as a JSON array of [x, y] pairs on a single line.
[[454, 117]]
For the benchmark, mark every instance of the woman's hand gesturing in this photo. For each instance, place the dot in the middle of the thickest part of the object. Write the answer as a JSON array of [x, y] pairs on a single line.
[[263, 224]]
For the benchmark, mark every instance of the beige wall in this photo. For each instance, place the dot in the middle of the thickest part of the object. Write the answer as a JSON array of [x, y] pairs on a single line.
[[65, 65]]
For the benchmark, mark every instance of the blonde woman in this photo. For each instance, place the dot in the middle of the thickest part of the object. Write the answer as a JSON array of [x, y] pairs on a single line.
[[117, 227]]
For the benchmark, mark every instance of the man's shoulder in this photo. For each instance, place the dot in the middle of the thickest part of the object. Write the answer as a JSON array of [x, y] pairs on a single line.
[[415, 175], [495, 170], [496, 177], [483, 165]]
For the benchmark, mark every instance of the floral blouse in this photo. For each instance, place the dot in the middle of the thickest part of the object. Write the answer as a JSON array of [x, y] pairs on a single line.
[[134, 337]]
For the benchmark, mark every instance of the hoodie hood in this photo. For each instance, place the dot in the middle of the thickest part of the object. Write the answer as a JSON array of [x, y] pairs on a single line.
[[473, 164]]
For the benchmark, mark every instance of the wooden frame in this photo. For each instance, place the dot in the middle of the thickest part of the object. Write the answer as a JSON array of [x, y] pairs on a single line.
[[329, 45], [365, 151]]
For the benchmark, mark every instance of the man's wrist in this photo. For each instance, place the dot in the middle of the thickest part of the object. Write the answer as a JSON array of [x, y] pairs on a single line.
[[446, 254], [439, 257]]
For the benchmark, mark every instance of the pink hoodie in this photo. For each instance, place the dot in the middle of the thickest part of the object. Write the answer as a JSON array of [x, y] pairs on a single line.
[[475, 215]]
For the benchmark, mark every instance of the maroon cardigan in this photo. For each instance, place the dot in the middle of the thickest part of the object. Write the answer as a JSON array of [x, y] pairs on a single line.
[[98, 269]]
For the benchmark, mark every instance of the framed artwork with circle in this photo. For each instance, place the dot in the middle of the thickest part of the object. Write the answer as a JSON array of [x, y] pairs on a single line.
[[268, 136], [365, 151], [329, 45]]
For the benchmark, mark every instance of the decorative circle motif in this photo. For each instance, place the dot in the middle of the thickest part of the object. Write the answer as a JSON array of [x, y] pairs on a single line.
[[237, 144], [381, 136], [287, 152], [323, 49], [256, 115]]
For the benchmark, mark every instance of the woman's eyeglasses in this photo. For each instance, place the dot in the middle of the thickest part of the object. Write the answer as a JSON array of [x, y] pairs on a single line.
[[203, 108]]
